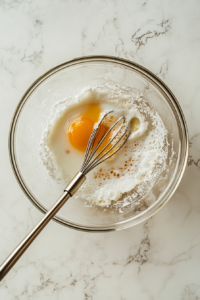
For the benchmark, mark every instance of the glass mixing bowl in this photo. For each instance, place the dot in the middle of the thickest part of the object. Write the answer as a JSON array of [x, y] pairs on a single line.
[[33, 112]]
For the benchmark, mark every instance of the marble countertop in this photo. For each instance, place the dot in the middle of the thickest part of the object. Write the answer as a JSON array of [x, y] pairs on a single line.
[[158, 259]]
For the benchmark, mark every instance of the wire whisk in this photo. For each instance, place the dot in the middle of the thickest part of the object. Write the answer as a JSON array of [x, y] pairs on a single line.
[[118, 134]]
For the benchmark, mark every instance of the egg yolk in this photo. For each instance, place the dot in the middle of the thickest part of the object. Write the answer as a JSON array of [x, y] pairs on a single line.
[[80, 130], [79, 133]]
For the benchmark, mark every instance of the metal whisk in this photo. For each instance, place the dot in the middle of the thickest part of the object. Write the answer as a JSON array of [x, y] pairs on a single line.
[[119, 133]]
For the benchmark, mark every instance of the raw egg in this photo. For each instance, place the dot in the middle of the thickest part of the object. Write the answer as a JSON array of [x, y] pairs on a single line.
[[79, 133], [80, 129], [71, 133]]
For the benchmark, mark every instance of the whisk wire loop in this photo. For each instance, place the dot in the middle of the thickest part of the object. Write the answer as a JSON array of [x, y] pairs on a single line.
[[104, 137], [93, 137], [90, 160], [102, 160], [99, 157]]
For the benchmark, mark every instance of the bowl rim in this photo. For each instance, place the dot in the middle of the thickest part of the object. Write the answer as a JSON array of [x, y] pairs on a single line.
[[156, 81]]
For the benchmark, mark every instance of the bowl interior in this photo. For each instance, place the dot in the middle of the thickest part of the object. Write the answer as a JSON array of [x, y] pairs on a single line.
[[34, 111]]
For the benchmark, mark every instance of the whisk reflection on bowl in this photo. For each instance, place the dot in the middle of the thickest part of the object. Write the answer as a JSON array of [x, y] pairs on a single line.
[[119, 133]]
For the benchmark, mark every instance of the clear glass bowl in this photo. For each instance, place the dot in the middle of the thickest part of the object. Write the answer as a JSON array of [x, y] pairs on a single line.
[[32, 114]]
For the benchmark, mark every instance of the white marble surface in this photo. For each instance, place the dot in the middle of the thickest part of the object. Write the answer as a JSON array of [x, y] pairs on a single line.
[[158, 259]]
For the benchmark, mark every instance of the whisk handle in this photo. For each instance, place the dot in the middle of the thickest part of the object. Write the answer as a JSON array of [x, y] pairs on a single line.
[[73, 186]]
